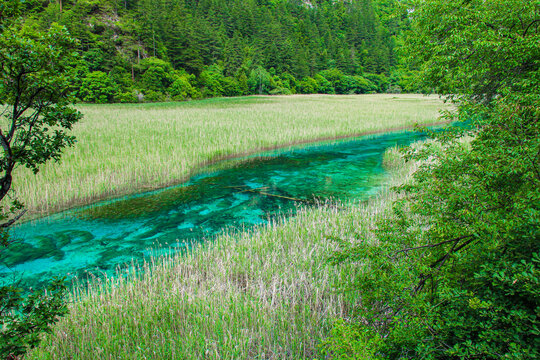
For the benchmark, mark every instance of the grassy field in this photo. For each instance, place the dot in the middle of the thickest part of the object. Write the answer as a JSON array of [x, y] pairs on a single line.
[[268, 293], [135, 147], [265, 294]]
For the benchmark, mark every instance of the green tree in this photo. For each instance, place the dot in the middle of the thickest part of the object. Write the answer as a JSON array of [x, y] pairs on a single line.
[[323, 85], [289, 36], [231, 87], [182, 89], [492, 45], [157, 74], [259, 81], [98, 87], [34, 82], [380, 82], [458, 276], [308, 85], [289, 82], [212, 81]]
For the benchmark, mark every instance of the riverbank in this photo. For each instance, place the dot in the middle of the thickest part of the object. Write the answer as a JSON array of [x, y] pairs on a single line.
[[131, 148], [267, 293]]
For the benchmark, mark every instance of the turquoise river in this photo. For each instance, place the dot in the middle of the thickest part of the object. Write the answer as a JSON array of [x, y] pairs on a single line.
[[243, 193]]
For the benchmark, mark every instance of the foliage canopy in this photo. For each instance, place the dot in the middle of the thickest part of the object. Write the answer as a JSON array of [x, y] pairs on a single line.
[[455, 273], [35, 75], [285, 38]]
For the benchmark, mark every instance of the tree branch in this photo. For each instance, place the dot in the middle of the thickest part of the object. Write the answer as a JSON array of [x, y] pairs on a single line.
[[528, 27], [31, 126], [440, 261], [13, 220], [5, 182], [435, 245]]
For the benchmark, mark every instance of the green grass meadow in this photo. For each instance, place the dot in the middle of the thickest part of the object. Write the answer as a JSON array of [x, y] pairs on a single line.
[[267, 293], [126, 148]]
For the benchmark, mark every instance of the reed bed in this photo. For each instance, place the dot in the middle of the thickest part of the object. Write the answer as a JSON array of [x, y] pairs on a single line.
[[268, 293], [126, 148]]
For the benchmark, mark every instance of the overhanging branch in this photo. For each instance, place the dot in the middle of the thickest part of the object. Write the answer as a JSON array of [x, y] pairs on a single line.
[[13, 220]]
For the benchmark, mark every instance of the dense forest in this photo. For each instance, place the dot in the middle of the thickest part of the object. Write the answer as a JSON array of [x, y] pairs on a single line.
[[156, 50]]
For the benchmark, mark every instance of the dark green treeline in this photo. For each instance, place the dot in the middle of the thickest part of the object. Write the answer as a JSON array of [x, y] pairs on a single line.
[[155, 50]]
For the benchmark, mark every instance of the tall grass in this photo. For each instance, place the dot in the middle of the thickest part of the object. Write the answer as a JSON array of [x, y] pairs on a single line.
[[127, 148], [263, 294], [267, 293]]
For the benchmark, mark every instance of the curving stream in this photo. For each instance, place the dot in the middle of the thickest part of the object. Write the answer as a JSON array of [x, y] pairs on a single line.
[[100, 237]]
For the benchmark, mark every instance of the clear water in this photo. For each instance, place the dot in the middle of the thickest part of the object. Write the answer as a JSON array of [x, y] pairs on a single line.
[[100, 237]]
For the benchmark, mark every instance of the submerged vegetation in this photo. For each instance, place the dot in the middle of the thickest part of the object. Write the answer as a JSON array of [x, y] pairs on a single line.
[[266, 293], [171, 140]]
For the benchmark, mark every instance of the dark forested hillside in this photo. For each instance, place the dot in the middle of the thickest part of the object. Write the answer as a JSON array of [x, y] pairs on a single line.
[[180, 49]]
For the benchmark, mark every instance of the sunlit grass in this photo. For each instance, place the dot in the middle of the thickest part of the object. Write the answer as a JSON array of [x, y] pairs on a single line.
[[126, 148]]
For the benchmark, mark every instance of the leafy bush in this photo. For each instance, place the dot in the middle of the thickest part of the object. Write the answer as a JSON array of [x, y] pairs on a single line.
[[154, 96], [181, 88], [308, 85], [122, 77], [280, 91], [454, 271], [243, 84], [351, 341], [323, 85], [24, 318], [380, 82], [336, 79], [98, 87], [461, 281], [288, 81], [157, 74], [358, 85], [394, 89], [211, 82], [126, 97], [231, 87]]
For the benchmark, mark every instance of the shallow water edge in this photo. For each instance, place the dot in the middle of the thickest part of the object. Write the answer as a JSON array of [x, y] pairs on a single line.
[[202, 166]]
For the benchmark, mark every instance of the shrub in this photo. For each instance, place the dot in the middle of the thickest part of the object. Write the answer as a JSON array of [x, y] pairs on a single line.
[[24, 318], [288, 81], [351, 341], [323, 85], [308, 85], [380, 81], [459, 273], [211, 81], [337, 79], [157, 74], [98, 87], [231, 87], [126, 97], [357, 85], [280, 91], [154, 96], [181, 88]]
